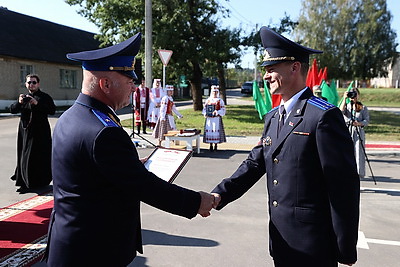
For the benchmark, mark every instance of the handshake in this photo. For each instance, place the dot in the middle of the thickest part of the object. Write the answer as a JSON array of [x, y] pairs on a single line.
[[208, 201]]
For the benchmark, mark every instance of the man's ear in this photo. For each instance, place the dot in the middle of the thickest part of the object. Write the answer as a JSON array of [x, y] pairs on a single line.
[[296, 66], [104, 84]]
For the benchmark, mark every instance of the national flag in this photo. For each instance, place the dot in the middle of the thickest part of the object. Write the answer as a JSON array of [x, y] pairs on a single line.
[[259, 101], [324, 75], [268, 99], [330, 92], [319, 80], [312, 77], [276, 100]]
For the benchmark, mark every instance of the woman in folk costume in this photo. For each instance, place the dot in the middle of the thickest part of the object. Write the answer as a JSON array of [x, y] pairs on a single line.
[[214, 109], [156, 94], [166, 120], [356, 116]]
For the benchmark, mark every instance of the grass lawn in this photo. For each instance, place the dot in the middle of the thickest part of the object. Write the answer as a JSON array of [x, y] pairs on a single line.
[[243, 120]]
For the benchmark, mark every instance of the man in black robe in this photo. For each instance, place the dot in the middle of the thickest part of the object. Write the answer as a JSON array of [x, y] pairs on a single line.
[[34, 136]]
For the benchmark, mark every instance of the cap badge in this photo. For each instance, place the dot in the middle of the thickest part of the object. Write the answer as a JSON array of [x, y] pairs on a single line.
[[267, 57], [125, 68]]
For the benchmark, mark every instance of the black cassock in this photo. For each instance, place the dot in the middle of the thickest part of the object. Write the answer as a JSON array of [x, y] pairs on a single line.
[[34, 141]]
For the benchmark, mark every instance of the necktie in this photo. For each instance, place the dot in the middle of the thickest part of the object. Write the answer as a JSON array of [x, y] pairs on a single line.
[[281, 121]]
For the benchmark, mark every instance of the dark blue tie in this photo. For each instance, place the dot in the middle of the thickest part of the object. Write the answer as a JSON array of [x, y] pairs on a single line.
[[281, 121]]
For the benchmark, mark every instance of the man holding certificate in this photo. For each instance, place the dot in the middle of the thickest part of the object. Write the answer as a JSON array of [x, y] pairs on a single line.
[[98, 178]]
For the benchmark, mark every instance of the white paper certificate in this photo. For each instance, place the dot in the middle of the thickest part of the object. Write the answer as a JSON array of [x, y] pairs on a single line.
[[166, 163]]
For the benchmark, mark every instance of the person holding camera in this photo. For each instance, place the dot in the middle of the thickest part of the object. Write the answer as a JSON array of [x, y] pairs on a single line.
[[34, 136], [356, 116]]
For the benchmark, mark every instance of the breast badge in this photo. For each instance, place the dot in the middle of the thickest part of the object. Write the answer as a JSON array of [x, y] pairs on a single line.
[[267, 141]]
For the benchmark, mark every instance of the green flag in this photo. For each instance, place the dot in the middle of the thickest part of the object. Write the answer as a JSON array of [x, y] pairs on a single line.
[[259, 101], [268, 99], [343, 98], [330, 92]]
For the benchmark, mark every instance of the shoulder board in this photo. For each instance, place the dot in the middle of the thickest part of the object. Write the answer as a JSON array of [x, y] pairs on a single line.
[[107, 121], [320, 103], [274, 109]]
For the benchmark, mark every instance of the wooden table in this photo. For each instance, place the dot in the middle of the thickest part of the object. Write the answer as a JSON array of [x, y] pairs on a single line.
[[188, 139]]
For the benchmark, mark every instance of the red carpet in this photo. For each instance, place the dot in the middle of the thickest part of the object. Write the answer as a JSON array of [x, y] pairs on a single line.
[[382, 146], [23, 231]]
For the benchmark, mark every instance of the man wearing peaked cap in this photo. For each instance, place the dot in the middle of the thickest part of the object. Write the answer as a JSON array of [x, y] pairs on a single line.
[[280, 49], [98, 178], [306, 153], [119, 57]]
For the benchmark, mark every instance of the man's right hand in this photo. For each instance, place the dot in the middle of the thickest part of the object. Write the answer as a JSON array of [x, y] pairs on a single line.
[[207, 203]]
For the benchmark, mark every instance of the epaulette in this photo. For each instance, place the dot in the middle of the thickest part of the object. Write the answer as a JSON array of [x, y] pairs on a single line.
[[107, 121], [320, 103]]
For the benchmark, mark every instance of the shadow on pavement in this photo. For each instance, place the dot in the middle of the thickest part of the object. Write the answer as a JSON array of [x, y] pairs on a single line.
[[219, 154], [151, 237]]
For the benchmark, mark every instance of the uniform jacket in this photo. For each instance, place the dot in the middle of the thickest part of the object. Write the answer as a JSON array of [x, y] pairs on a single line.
[[98, 184], [312, 181]]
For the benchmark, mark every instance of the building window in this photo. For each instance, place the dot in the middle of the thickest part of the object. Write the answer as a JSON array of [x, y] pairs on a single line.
[[68, 78], [25, 70]]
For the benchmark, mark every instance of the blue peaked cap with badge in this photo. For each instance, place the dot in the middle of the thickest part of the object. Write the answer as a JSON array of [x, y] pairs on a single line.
[[119, 57], [279, 49]]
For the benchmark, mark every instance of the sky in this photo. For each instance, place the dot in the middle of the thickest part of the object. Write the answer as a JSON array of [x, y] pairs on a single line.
[[246, 14]]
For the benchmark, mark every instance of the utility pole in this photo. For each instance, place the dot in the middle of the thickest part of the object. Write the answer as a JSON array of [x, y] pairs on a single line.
[[148, 30]]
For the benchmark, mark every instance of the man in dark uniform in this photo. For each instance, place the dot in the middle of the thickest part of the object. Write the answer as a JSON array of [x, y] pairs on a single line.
[[307, 155], [99, 179]]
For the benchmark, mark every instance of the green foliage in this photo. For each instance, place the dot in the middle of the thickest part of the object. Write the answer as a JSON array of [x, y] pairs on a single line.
[[189, 28], [355, 36]]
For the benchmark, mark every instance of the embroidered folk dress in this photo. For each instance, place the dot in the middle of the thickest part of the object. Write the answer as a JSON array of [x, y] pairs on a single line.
[[156, 94], [214, 131], [166, 121]]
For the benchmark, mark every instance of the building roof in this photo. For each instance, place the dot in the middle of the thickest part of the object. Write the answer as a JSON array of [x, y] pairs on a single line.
[[27, 37]]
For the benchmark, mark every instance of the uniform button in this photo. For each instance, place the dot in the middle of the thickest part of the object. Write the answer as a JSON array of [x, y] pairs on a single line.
[[275, 182], [275, 203], [276, 160]]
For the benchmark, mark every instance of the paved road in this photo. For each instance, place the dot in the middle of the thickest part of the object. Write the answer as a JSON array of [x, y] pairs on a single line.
[[237, 235]]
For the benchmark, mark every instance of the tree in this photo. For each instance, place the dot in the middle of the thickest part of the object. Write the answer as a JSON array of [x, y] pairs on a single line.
[[223, 48], [186, 27], [355, 36]]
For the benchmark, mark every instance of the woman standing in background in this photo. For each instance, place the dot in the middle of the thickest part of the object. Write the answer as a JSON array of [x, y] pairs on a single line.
[[166, 121], [214, 109], [156, 94]]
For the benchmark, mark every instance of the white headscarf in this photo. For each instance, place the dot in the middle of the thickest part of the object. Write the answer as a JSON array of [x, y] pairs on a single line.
[[214, 88]]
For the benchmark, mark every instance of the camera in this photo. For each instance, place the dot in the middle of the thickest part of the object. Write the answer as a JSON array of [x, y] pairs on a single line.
[[352, 94], [26, 99]]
